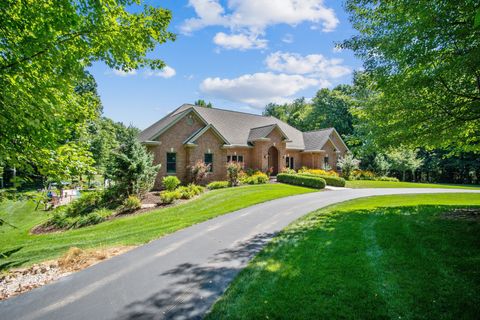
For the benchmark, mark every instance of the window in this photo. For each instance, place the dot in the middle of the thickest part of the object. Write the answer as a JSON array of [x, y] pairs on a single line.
[[289, 162], [326, 164], [235, 158], [171, 162], [208, 159]]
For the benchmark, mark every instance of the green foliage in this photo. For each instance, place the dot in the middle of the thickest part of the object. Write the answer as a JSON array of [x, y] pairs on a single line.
[[348, 163], [131, 204], [329, 180], [233, 171], [190, 191], [104, 137], [218, 185], [67, 162], [404, 160], [256, 178], [87, 203], [288, 170], [170, 182], [330, 108], [131, 167], [46, 47], [293, 113], [423, 73], [302, 180], [168, 197], [63, 220], [202, 103], [382, 165]]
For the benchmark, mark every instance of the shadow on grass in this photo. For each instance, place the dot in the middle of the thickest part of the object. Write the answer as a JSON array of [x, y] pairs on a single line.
[[194, 288], [6, 255]]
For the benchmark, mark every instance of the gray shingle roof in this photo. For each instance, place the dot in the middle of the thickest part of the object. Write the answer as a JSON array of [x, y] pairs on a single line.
[[315, 140], [261, 132], [238, 128]]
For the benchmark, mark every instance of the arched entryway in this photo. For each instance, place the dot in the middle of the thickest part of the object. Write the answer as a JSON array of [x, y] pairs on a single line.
[[273, 160]]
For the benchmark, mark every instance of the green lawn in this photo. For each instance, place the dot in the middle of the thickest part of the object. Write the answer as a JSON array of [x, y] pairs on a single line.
[[373, 258], [390, 184], [130, 230]]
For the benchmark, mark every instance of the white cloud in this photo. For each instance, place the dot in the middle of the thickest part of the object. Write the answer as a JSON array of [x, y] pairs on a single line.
[[251, 17], [122, 73], [239, 41], [166, 72], [259, 89], [288, 38], [313, 64]]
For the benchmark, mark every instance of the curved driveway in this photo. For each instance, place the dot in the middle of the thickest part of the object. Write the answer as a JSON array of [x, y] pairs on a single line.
[[180, 275]]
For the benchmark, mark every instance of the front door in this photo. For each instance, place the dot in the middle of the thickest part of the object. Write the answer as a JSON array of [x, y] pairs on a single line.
[[273, 160]]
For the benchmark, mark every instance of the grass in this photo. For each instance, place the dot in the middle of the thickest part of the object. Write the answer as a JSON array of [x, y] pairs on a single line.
[[391, 184], [371, 258], [130, 230]]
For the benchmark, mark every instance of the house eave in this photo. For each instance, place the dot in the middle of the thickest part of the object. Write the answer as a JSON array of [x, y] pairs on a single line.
[[151, 143]]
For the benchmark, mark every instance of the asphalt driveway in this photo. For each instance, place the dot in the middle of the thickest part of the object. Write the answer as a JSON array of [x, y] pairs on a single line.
[[180, 275]]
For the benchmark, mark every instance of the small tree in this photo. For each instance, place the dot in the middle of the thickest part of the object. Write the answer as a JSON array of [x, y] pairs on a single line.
[[404, 160], [199, 171], [131, 167], [233, 170], [348, 163], [382, 165]]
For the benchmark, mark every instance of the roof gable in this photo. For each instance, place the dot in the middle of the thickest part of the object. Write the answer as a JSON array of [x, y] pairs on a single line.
[[261, 133], [191, 140]]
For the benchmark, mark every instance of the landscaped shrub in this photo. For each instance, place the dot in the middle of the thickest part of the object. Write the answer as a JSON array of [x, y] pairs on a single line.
[[302, 180], [348, 163], [392, 179], [218, 185], [288, 170], [233, 171], [170, 182], [168, 197], [318, 172], [363, 175], [330, 180], [61, 220], [131, 167], [257, 178], [199, 171], [131, 204], [188, 192], [88, 202]]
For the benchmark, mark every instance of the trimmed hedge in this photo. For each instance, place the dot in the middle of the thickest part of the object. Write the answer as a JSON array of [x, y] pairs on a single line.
[[218, 185], [330, 180], [302, 180]]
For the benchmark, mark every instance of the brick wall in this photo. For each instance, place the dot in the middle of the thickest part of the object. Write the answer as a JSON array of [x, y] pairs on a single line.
[[209, 142], [173, 139]]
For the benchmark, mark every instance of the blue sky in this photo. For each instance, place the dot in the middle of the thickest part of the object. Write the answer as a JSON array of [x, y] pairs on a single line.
[[238, 54]]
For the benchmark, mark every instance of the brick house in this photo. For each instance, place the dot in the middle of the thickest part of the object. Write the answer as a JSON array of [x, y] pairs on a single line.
[[216, 136]]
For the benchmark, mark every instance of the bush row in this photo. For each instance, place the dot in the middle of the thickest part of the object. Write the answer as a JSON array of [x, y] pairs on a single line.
[[330, 180], [302, 180], [184, 192]]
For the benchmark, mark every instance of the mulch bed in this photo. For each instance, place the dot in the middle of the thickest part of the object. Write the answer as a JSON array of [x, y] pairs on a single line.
[[151, 198], [463, 214]]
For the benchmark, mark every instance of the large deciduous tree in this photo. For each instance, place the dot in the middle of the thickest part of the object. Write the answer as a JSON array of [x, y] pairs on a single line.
[[422, 59], [45, 49]]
